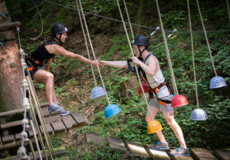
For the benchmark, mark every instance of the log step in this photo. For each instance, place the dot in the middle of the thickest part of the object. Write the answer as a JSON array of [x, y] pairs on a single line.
[[94, 138], [137, 149], [223, 154], [202, 154], [159, 155], [116, 144]]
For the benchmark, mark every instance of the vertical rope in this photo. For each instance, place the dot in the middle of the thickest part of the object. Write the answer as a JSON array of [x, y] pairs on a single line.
[[228, 10], [130, 46], [29, 80], [127, 14], [206, 37], [26, 104], [193, 57], [87, 48], [167, 50], [79, 6]]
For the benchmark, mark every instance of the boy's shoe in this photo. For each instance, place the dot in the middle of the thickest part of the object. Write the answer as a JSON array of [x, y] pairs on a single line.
[[181, 152], [54, 107], [64, 113], [160, 146]]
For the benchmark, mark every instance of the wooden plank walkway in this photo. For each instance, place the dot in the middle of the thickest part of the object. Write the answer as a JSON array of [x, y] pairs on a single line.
[[116, 144], [54, 123], [161, 155], [58, 152], [223, 153], [139, 150], [203, 154]]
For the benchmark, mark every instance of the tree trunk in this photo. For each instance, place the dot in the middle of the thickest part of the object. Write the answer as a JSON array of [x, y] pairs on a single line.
[[11, 89]]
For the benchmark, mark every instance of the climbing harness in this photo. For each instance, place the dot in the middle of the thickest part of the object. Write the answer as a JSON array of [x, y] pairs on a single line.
[[151, 90], [36, 60]]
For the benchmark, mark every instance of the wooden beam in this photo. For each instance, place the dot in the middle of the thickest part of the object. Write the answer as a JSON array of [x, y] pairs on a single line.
[[11, 124], [223, 153], [202, 154], [159, 155], [94, 138], [8, 26], [12, 112], [137, 149], [116, 144], [68, 121], [79, 118]]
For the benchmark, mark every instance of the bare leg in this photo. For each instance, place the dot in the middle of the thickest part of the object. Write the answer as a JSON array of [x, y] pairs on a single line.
[[54, 96], [169, 116], [148, 118], [47, 79]]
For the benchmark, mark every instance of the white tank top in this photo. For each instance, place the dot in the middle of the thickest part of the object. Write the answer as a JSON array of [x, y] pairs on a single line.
[[156, 80]]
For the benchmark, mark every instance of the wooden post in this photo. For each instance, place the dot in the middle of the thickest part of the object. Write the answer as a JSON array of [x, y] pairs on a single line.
[[11, 89]]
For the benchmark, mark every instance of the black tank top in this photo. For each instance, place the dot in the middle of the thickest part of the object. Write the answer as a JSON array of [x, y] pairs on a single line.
[[41, 54]]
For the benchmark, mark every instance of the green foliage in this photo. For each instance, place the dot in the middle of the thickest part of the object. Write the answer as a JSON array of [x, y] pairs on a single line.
[[130, 124]]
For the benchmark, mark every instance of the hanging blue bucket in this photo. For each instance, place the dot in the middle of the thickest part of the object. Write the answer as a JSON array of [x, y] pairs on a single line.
[[97, 92], [217, 82], [111, 110], [199, 115]]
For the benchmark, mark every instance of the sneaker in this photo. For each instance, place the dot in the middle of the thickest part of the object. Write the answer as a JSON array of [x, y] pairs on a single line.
[[181, 152], [160, 146], [64, 113], [54, 107]]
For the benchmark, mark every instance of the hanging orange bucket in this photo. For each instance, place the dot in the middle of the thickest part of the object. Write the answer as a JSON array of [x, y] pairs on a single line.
[[154, 126], [178, 101]]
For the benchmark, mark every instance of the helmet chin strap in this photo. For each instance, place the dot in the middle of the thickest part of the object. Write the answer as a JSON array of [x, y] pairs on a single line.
[[59, 39], [140, 52]]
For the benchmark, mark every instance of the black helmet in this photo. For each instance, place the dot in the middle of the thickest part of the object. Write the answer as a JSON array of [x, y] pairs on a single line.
[[58, 28], [141, 41]]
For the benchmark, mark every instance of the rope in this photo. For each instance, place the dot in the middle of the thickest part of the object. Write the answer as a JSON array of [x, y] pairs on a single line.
[[167, 50], [142, 26], [79, 6], [228, 10], [138, 76], [193, 58], [41, 24], [87, 48], [28, 105], [41, 119], [26, 108], [206, 37], [127, 14]]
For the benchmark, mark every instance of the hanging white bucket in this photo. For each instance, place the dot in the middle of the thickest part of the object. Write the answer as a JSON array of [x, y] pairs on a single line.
[[199, 115], [97, 92], [217, 82]]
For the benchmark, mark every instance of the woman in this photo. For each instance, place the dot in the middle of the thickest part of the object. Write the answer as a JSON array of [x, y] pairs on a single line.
[[43, 55]]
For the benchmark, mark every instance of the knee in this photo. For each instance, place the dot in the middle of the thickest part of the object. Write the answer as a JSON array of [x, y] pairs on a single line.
[[50, 76], [171, 123]]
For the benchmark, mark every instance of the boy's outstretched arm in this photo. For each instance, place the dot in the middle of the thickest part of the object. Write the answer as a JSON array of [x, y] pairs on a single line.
[[116, 64]]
